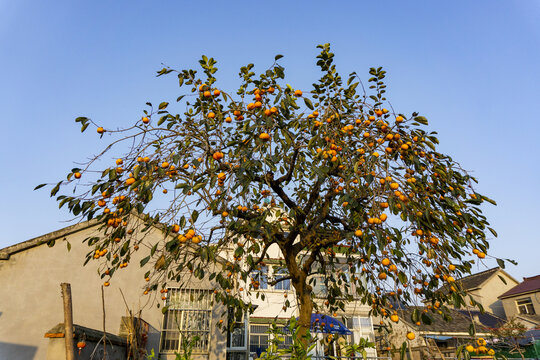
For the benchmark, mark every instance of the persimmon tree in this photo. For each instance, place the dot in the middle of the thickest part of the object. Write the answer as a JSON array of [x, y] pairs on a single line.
[[313, 172]]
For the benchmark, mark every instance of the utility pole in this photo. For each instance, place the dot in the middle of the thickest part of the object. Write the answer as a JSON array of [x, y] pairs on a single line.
[[68, 321]]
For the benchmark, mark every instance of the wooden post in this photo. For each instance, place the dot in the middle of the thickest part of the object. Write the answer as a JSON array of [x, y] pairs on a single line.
[[68, 321], [104, 330]]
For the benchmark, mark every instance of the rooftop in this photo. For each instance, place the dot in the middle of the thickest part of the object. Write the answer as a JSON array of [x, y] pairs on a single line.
[[472, 281], [530, 284], [459, 323]]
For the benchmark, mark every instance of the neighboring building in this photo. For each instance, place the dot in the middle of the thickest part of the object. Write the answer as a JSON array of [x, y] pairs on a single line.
[[523, 302], [272, 307], [438, 340], [31, 304], [486, 287]]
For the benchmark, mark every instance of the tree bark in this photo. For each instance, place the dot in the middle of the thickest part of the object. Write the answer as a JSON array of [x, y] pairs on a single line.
[[303, 294], [68, 321], [306, 309]]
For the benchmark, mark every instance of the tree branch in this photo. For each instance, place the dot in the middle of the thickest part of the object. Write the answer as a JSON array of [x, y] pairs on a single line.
[[287, 177], [338, 220], [274, 185]]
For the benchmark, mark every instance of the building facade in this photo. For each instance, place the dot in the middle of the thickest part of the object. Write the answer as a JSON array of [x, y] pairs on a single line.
[[31, 304], [486, 287], [523, 302]]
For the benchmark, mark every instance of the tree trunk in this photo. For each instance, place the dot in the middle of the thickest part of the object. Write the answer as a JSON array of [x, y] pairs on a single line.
[[305, 304]]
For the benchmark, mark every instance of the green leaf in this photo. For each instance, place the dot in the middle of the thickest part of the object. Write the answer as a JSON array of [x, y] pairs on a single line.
[[402, 350], [198, 186], [182, 222], [308, 103], [500, 277], [501, 265], [163, 105], [56, 188], [426, 319], [162, 119], [415, 316], [279, 56], [144, 261], [39, 186], [472, 329], [489, 200], [194, 215], [422, 120]]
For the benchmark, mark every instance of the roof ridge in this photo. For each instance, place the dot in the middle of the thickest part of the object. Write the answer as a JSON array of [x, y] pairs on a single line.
[[42, 239], [479, 273]]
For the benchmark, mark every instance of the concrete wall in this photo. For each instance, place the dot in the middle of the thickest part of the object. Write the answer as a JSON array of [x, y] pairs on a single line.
[[31, 303], [510, 304], [488, 292], [493, 288]]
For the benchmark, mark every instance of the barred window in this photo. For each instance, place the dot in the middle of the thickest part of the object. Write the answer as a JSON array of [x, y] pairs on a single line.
[[258, 338], [188, 317], [286, 336]]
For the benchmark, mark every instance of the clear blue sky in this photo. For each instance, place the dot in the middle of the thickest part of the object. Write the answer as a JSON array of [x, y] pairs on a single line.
[[471, 67]]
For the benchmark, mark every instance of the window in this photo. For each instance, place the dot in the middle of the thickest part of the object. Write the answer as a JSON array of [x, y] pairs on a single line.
[[284, 284], [258, 339], [260, 277], [361, 327], [188, 316], [287, 337], [319, 287], [236, 338], [525, 306]]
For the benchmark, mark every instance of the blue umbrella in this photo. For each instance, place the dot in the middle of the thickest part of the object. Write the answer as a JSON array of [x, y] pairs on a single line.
[[328, 325]]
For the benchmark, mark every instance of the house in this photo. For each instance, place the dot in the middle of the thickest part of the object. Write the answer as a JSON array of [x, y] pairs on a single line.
[[31, 306], [436, 340], [485, 287], [355, 316], [523, 302]]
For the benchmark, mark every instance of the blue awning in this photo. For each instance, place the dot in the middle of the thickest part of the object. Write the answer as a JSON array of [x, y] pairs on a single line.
[[438, 337], [328, 325]]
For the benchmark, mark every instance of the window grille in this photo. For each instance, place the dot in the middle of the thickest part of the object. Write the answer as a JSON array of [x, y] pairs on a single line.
[[188, 316], [258, 338]]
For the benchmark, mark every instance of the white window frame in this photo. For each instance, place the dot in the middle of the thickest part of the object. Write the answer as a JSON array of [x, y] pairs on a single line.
[[185, 302], [260, 275], [278, 274], [526, 303], [246, 335]]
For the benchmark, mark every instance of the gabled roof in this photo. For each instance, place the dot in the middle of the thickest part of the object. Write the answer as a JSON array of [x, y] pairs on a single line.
[[528, 285], [487, 319], [458, 326], [82, 331], [6, 252], [474, 281], [533, 319]]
